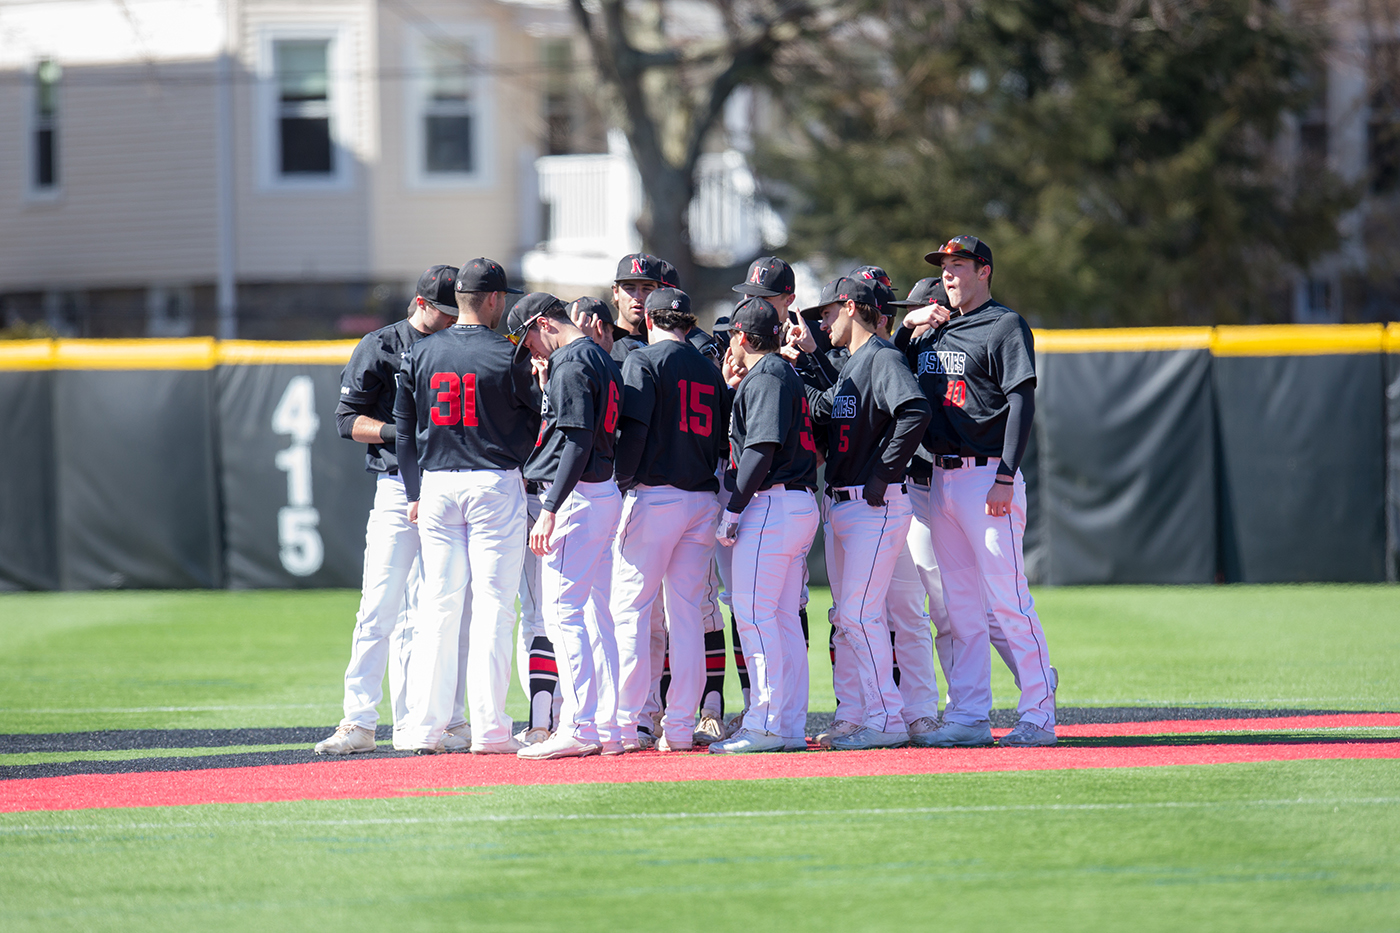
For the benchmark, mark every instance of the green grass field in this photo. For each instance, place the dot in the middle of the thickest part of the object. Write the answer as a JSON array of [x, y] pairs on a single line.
[[1306, 845]]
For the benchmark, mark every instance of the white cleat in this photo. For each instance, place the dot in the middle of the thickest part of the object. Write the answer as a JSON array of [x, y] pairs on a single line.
[[347, 740], [559, 746], [507, 746]]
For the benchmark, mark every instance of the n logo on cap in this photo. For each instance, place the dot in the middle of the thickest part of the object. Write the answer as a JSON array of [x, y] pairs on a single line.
[[637, 267], [757, 276]]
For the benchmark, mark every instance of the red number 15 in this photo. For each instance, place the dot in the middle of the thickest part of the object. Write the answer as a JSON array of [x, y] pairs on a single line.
[[703, 418]]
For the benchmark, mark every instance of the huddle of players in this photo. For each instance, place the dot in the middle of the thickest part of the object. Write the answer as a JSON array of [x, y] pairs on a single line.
[[621, 585]]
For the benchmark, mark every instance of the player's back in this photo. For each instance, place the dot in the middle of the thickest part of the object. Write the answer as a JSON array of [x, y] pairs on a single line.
[[674, 389], [770, 406], [476, 407]]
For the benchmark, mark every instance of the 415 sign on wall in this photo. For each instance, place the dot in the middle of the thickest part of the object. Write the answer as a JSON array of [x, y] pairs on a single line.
[[298, 533]]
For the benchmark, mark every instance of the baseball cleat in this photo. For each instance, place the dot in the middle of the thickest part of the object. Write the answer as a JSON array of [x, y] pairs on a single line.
[[663, 745], [346, 740], [533, 736], [837, 729], [708, 729], [507, 746], [1026, 735], [924, 725], [735, 725], [618, 747], [437, 749], [795, 743], [458, 738], [559, 746], [749, 740], [957, 735], [869, 738], [645, 739]]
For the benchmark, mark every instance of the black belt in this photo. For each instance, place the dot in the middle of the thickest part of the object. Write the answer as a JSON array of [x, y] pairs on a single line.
[[954, 462], [921, 480], [790, 487], [532, 488], [845, 495]]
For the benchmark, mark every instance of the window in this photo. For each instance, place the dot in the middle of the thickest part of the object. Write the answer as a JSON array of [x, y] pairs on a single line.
[[303, 107], [448, 104], [44, 177], [1383, 127]]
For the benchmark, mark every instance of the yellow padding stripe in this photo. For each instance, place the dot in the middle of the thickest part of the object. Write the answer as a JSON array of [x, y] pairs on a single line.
[[26, 354], [189, 353], [1392, 338], [269, 352], [1122, 339], [1298, 340]]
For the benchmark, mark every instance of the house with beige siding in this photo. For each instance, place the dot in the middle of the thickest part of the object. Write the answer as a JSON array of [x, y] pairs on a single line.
[[260, 168]]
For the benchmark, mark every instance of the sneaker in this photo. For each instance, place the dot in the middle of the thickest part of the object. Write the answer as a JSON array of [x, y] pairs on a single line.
[[664, 745], [869, 738], [559, 746], [507, 746], [1026, 735], [533, 736], [795, 743], [463, 732], [645, 739], [618, 747], [838, 728], [956, 735], [347, 740], [708, 729], [923, 726], [749, 740], [458, 738], [735, 725]]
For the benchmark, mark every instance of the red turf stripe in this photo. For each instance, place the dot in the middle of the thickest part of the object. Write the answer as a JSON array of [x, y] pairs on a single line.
[[371, 778], [1164, 727]]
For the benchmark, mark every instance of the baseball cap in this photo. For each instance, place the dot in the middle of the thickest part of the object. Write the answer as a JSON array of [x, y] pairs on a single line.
[[525, 312], [640, 267], [966, 246], [721, 325], [843, 289], [880, 282], [670, 274], [435, 286], [768, 276], [483, 275], [590, 305], [668, 299], [925, 292], [756, 316]]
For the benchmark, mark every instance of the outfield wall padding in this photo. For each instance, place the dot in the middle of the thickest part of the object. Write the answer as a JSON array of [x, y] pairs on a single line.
[[138, 505], [1126, 467], [280, 530], [28, 520], [1302, 467], [1392, 486]]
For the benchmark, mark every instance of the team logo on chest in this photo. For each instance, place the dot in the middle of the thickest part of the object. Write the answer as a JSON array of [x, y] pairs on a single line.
[[943, 362], [843, 406]]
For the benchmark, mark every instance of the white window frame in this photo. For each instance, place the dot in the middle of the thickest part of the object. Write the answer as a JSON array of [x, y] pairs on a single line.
[[341, 105], [481, 39], [33, 191]]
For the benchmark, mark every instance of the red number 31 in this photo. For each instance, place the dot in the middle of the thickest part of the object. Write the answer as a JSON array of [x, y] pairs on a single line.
[[459, 395]]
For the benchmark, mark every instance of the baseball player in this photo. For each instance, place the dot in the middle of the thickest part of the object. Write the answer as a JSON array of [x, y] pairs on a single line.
[[392, 569], [466, 414], [770, 521], [573, 462], [537, 667], [875, 416], [979, 370], [673, 423], [638, 275]]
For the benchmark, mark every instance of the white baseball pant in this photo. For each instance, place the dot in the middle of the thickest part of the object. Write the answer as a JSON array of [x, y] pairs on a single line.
[[666, 534], [921, 550], [654, 644], [867, 543], [913, 632], [983, 569], [383, 635], [769, 565], [472, 524], [575, 576]]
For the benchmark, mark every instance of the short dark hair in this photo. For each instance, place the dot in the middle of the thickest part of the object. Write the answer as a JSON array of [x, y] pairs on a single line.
[[762, 343], [870, 314], [670, 319]]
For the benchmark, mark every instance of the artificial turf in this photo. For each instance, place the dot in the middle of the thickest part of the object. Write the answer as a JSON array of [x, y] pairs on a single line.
[[1278, 845], [195, 659], [1282, 846]]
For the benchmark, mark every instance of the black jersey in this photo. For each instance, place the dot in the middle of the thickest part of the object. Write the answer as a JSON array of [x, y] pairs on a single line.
[[859, 412], [584, 391], [470, 405], [676, 391], [625, 345], [770, 407], [967, 367], [368, 384]]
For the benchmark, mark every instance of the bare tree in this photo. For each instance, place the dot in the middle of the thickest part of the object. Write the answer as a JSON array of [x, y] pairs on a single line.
[[671, 79]]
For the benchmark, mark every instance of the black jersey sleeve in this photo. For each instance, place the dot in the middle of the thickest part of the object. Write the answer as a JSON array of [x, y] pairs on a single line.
[[573, 460], [406, 428], [753, 468], [1011, 352], [572, 392], [819, 401], [1020, 403], [767, 418]]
